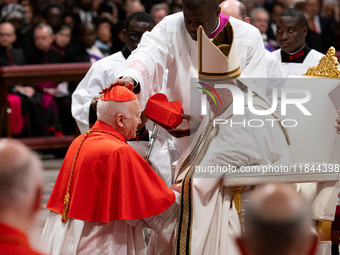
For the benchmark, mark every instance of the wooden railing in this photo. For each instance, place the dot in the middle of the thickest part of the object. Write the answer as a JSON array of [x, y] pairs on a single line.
[[72, 72]]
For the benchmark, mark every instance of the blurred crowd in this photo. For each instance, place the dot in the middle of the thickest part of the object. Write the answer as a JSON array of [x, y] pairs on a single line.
[[80, 26], [66, 31]]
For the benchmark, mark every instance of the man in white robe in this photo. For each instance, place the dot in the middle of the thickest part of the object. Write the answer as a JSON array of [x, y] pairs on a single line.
[[172, 45], [274, 66], [208, 212], [294, 54], [208, 221]]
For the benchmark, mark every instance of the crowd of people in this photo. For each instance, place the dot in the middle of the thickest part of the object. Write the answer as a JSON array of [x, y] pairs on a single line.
[[107, 197], [87, 31]]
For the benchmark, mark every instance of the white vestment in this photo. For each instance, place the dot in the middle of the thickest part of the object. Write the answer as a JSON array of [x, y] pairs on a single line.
[[116, 237], [100, 75], [312, 59], [169, 46], [214, 222]]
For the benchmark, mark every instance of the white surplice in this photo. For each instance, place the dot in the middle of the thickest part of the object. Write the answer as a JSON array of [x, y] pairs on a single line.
[[312, 59], [169, 46], [116, 237]]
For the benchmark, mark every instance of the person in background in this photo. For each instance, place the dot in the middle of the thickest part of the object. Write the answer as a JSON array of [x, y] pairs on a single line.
[[274, 11], [319, 35], [21, 189], [276, 222], [158, 12], [10, 56], [133, 6], [45, 91], [53, 15], [104, 36], [259, 17], [85, 97], [62, 39], [295, 54], [85, 50]]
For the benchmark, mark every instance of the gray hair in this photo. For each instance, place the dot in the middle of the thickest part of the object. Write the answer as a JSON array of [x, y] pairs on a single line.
[[252, 14], [108, 110], [43, 25]]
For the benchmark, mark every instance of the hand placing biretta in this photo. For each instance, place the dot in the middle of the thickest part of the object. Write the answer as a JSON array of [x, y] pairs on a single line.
[[164, 113]]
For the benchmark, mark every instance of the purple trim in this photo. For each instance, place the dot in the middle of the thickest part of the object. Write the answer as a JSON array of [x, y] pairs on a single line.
[[224, 19]]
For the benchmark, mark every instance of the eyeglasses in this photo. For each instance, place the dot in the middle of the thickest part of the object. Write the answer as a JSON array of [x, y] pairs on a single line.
[[4, 34], [135, 35]]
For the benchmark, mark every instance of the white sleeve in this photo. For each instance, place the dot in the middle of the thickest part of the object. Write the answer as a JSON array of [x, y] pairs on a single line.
[[160, 221], [148, 63], [87, 89], [256, 65]]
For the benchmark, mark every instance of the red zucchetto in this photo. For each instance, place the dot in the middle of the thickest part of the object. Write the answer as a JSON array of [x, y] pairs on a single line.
[[118, 93]]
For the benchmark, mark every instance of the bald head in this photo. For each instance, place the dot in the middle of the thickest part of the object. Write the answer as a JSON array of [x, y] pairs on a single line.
[[277, 221], [20, 171], [234, 9], [20, 184]]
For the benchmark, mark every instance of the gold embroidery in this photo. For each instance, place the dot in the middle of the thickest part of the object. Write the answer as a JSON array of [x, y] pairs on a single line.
[[67, 197], [327, 67]]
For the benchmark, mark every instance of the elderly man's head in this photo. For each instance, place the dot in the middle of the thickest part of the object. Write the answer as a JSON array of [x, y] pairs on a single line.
[[7, 35], [43, 37], [277, 221], [291, 30], [120, 109], [259, 18], [20, 184], [234, 8], [203, 13]]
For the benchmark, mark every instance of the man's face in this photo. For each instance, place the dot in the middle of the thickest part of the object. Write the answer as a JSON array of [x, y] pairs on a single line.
[[131, 121], [63, 38], [89, 36], [261, 21], [134, 33], [104, 32], [290, 34], [159, 15], [7, 35], [203, 16], [42, 39], [54, 17], [312, 7]]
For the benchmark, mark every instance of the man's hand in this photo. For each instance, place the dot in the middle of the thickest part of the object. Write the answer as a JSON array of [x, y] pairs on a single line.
[[337, 125], [25, 90], [193, 125], [176, 187], [127, 82], [94, 103]]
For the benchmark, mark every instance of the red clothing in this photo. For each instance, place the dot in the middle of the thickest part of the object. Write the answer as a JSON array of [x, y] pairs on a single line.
[[111, 181], [14, 242]]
